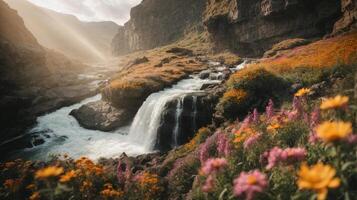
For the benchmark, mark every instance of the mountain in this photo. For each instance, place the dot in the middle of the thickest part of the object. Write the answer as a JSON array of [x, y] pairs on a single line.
[[87, 41]]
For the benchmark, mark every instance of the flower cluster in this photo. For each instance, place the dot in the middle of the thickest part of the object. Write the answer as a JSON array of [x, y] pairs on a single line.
[[214, 165], [277, 155]]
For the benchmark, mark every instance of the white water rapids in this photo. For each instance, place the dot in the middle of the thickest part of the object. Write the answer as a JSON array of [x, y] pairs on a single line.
[[67, 136]]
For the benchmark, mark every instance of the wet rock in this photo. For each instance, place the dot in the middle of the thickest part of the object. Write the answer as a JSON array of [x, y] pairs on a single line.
[[208, 85], [101, 115], [204, 74], [195, 112]]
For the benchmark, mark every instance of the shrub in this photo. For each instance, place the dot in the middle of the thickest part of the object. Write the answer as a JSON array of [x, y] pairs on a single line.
[[251, 88]]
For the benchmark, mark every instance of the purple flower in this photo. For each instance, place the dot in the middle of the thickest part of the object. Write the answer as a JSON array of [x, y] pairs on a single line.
[[256, 117], [297, 104], [209, 184], [214, 165], [274, 157], [223, 145], [290, 155], [248, 184], [314, 118], [251, 141], [351, 139], [120, 172], [205, 148], [269, 110], [313, 139]]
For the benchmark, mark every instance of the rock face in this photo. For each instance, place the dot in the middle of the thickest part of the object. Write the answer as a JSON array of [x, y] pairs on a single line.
[[181, 119], [157, 22], [250, 27], [101, 115], [349, 16]]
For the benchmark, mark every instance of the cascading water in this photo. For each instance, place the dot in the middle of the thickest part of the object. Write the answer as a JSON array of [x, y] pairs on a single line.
[[148, 118], [179, 110], [194, 108], [63, 134]]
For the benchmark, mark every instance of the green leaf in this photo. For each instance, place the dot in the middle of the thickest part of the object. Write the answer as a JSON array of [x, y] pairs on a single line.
[[347, 165]]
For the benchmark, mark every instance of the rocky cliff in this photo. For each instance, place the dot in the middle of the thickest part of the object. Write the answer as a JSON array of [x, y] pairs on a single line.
[[247, 27], [157, 22], [250, 27]]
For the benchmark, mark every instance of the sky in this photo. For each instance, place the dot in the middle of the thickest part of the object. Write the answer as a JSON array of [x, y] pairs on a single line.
[[117, 11]]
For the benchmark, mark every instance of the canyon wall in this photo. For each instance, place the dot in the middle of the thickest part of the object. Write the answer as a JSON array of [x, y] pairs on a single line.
[[250, 27], [247, 27], [157, 22]]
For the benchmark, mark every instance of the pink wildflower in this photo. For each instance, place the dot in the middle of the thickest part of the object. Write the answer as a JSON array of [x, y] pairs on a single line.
[[205, 148], [256, 117], [313, 139], [246, 123], [248, 184], [214, 165], [293, 115], [251, 141], [314, 118], [209, 184], [297, 104], [269, 110], [223, 145], [274, 157], [351, 139], [120, 172], [290, 155]]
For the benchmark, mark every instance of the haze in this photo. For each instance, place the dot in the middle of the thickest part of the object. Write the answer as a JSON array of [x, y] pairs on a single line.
[[117, 11]]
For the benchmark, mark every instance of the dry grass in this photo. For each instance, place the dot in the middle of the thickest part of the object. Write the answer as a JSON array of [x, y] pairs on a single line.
[[320, 54], [148, 74]]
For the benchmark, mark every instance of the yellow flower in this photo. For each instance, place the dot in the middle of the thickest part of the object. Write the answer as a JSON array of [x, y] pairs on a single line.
[[68, 176], [273, 127], [35, 196], [47, 172], [109, 191], [302, 92], [335, 102], [318, 178], [332, 131]]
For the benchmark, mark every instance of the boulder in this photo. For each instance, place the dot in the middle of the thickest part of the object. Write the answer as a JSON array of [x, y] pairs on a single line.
[[101, 115]]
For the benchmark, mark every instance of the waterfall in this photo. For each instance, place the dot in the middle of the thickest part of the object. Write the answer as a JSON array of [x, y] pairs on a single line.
[[147, 120], [179, 110], [194, 108]]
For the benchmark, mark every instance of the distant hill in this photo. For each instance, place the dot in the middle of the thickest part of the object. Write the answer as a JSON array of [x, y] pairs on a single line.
[[88, 41]]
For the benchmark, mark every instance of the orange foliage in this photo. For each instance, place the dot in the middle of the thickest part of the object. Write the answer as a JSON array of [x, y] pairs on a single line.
[[236, 95], [323, 53]]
